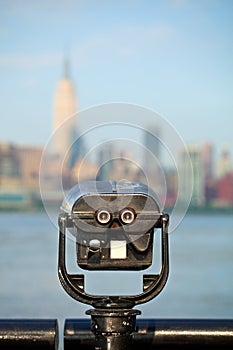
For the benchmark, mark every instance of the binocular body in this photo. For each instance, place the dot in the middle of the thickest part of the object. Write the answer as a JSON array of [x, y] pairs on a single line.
[[113, 223]]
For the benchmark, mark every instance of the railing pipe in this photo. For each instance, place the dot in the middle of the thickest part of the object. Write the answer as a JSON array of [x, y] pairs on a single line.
[[159, 334], [28, 334]]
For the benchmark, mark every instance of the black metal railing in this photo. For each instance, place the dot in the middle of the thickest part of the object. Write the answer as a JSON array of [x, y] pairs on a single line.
[[29, 334], [159, 334], [150, 334]]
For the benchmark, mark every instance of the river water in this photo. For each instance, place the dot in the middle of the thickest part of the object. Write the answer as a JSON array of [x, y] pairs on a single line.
[[200, 283]]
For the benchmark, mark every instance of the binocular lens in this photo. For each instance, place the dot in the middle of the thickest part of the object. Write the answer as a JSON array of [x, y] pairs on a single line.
[[127, 216], [103, 216]]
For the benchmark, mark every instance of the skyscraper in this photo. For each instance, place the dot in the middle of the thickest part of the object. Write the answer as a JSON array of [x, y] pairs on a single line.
[[64, 119], [207, 155], [152, 146], [196, 182], [152, 161]]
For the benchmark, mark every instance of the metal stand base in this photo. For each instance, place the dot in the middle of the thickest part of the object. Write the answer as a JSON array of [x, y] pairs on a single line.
[[113, 328]]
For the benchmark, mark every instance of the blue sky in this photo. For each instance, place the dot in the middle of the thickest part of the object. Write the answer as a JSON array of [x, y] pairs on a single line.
[[173, 56]]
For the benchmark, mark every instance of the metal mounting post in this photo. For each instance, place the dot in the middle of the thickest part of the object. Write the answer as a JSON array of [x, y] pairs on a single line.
[[113, 328]]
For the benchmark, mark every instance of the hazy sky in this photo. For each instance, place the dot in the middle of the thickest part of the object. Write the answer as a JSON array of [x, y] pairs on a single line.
[[173, 56]]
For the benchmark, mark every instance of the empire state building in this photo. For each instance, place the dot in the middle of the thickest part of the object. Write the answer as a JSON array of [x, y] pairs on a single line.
[[64, 118]]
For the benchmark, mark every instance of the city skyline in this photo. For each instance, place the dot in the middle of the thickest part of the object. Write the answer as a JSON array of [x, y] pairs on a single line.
[[150, 133], [63, 117], [149, 151], [174, 57]]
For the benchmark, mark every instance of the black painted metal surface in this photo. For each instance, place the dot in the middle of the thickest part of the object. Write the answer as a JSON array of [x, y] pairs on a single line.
[[159, 334], [28, 334], [113, 329]]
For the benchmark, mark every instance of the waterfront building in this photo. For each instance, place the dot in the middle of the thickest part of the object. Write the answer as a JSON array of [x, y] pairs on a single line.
[[83, 170], [196, 181], [9, 166], [225, 190], [29, 158], [19, 166], [104, 161], [224, 164], [172, 187], [152, 162], [152, 152], [207, 155], [19, 175]]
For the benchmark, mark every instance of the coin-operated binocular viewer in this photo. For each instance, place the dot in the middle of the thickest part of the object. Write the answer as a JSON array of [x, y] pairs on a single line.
[[113, 224]]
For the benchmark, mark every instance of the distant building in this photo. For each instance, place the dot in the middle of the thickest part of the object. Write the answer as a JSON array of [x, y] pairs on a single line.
[[224, 164], [152, 162], [172, 187], [104, 161], [29, 160], [196, 181], [83, 171], [225, 190], [207, 155], [19, 167], [19, 175], [65, 119], [152, 153], [9, 167]]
